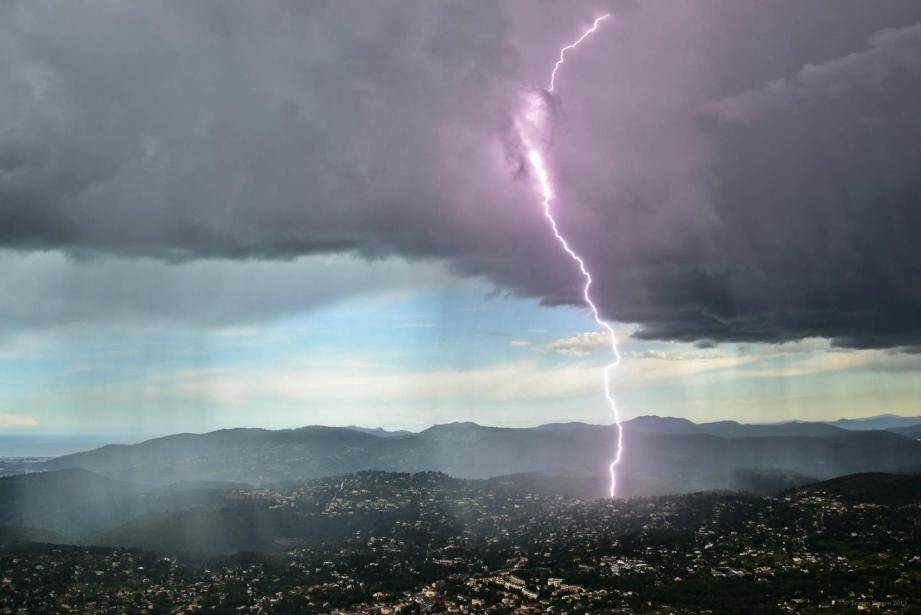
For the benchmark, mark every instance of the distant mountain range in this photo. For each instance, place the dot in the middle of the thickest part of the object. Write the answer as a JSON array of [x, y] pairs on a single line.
[[380, 431], [661, 455], [881, 421]]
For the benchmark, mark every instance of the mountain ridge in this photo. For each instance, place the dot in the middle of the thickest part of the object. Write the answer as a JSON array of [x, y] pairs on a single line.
[[661, 455]]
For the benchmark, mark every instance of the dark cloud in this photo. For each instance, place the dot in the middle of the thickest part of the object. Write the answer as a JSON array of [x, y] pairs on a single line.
[[731, 171], [813, 177]]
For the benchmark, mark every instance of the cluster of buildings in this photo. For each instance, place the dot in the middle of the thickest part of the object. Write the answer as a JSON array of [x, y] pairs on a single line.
[[428, 543]]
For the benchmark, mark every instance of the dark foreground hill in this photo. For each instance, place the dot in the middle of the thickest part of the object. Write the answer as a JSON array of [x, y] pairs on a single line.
[[77, 504], [872, 488], [660, 455], [71, 501], [913, 431], [11, 536]]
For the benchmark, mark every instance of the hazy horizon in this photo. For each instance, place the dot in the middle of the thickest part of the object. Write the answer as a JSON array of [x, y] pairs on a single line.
[[40, 444]]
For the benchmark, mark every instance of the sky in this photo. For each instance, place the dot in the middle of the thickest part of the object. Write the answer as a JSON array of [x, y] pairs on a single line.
[[226, 214]]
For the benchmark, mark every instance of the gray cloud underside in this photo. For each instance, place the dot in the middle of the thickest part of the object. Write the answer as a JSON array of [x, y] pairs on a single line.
[[730, 171], [47, 290]]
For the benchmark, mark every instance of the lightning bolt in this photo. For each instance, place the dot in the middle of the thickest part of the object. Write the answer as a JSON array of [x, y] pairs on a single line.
[[539, 168], [341, 487], [571, 46]]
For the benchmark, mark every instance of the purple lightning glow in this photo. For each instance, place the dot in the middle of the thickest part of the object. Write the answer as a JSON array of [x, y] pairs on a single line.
[[538, 166]]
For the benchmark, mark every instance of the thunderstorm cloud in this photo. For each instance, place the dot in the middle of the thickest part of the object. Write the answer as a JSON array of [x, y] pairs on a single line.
[[731, 170]]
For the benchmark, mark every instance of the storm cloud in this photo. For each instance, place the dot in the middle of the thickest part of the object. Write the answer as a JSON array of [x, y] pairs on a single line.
[[730, 170]]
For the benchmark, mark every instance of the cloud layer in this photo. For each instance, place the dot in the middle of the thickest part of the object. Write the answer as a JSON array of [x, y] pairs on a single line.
[[730, 171], [50, 290]]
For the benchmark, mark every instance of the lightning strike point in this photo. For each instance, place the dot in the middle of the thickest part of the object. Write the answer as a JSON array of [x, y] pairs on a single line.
[[545, 184]]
